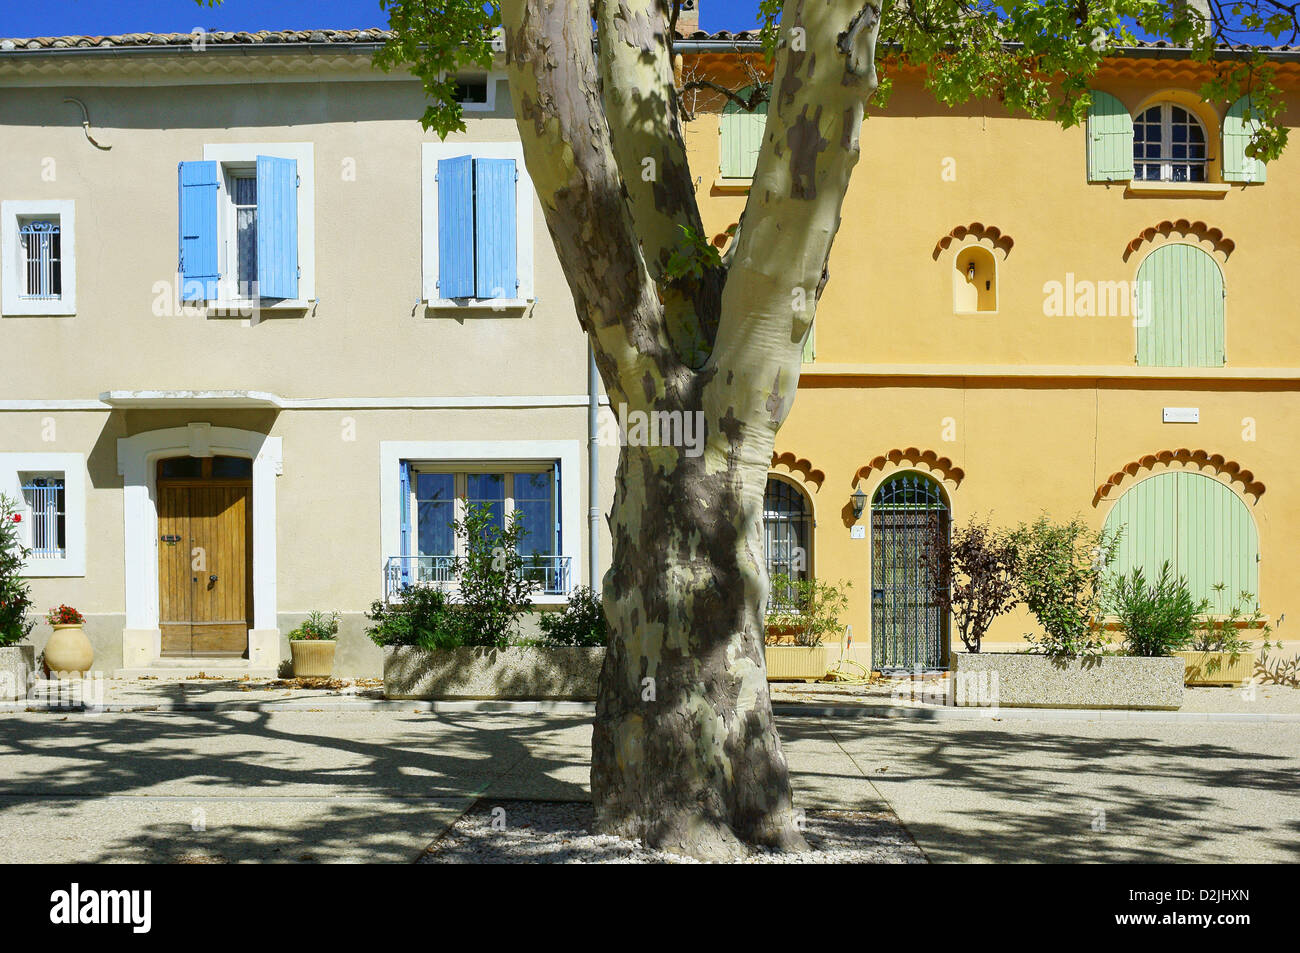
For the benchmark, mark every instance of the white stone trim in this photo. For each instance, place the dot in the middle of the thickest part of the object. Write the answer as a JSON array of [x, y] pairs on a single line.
[[245, 152], [73, 468], [10, 283], [430, 153], [197, 399], [136, 462], [568, 452]]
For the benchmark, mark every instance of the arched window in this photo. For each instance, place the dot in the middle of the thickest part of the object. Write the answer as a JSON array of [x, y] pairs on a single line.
[[1168, 145], [1199, 525], [787, 533], [1180, 308]]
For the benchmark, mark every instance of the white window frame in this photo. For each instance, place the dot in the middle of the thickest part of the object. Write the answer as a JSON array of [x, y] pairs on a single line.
[[1166, 160], [491, 104], [238, 156], [484, 456], [11, 281], [431, 152], [72, 468]]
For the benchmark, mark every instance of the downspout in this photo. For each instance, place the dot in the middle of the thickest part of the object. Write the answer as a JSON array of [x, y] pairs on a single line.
[[593, 472]]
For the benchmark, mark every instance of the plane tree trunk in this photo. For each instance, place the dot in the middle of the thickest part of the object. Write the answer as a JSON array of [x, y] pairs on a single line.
[[685, 753]]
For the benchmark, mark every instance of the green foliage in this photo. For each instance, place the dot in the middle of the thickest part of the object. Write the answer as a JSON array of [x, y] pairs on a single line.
[[317, 627], [1157, 618], [806, 609], [974, 576], [693, 256], [581, 623], [1226, 633], [495, 585], [15, 593], [1061, 570]]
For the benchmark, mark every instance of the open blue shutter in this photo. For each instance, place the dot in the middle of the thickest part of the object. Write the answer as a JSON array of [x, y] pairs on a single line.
[[277, 227], [561, 581], [456, 227], [197, 185], [405, 511], [495, 275]]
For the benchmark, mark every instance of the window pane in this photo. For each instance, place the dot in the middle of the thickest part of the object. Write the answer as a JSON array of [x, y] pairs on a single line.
[[232, 468], [44, 495], [488, 489], [435, 486], [180, 468], [244, 190], [435, 537]]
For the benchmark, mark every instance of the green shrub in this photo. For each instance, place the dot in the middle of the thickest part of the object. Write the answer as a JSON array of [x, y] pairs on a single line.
[[15, 594], [1225, 633], [808, 610], [581, 623], [317, 627], [974, 576], [1060, 567], [1157, 618], [425, 616]]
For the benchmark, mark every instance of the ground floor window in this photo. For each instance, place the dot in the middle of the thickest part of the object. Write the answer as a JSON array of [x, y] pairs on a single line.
[[787, 536], [1199, 526], [45, 497]]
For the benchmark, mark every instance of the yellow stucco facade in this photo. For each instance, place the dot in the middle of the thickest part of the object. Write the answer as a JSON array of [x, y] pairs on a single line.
[[1025, 397]]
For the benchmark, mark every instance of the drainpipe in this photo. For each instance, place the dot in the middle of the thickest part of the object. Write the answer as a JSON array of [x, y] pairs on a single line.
[[593, 472]]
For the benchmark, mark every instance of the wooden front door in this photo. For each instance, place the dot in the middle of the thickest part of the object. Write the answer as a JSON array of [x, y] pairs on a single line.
[[204, 558]]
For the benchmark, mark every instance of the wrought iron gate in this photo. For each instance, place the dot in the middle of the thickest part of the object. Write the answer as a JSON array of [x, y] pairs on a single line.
[[909, 626]]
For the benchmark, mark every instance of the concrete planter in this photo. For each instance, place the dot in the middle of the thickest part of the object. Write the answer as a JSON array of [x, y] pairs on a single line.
[[787, 662], [1032, 681], [312, 658], [518, 672], [17, 663], [1218, 668]]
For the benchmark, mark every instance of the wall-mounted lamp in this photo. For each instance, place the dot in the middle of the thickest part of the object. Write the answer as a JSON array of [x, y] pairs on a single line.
[[970, 271], [859, 502]]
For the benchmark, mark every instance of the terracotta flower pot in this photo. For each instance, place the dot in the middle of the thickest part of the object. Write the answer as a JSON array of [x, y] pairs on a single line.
[[69, 653], [312, 658]]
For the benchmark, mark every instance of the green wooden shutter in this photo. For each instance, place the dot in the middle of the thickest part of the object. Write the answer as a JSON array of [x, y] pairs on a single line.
[[1237, 130], [810, 344], [1110, 139], [1217, 541], [1203, 529], [1180, 309], [742, 137]]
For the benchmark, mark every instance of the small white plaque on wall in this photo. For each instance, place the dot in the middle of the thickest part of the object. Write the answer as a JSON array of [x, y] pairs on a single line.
[[1182, 415], [857, 532]]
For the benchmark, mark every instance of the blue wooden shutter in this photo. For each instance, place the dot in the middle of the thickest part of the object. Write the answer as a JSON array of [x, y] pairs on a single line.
[[277, 227], [1237, 132], [495, 274], [1180, 309], [1110, 139], [456, 227], [741, 137], [405, 511], [197, 185]]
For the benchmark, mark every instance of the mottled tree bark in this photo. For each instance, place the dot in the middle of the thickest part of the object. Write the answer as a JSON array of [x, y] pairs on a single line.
[[685, 754]]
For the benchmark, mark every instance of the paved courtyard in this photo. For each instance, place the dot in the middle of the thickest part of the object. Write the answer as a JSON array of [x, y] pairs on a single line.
[[346, 785]]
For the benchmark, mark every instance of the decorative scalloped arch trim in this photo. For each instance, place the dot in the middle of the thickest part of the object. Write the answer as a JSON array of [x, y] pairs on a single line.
[[980, 232], [799, 466], [1183, 459], [912, 457], [1198, 230]]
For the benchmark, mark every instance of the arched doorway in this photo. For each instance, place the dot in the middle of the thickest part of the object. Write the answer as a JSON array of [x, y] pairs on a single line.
[[908, 624]]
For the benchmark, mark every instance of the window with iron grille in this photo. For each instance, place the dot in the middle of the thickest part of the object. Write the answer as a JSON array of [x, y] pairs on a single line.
[[41, 264], [787, 525], [45, 499], [1169, 145]]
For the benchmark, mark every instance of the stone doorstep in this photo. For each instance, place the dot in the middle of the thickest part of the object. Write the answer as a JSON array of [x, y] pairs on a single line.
[[171, 673]]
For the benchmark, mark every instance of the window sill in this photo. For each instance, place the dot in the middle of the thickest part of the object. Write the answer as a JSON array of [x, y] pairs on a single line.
[[54, 568], [1137, 187], [732, 186], [479, 304], [40, 309], [244, 307]]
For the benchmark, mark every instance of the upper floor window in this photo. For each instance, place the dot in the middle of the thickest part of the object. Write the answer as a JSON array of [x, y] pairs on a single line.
[[477, 222], [246, 214], [39, 276], [1169, 145], [741, 137]]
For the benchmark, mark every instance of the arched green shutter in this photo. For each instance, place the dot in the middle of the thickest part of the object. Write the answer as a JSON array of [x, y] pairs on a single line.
[[1110, 139], [1200, 526], [742, 137], [1179, 309], [1237, 130]]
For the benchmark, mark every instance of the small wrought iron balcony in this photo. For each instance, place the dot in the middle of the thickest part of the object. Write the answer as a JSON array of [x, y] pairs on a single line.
[[552, 572]]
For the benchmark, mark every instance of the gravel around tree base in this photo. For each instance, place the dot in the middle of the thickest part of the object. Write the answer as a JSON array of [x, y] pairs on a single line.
[[549, 832]]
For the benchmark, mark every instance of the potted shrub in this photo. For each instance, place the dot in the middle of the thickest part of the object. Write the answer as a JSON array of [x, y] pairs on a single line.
[[311, 645], [68, 652], [17, 662], [1217, 653], [800, 614]]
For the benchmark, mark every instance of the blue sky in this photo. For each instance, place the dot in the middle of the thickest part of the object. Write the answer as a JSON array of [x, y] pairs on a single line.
[[100, 17]]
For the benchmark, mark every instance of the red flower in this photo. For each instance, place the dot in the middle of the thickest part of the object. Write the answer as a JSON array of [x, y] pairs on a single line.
[[18, 517]]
